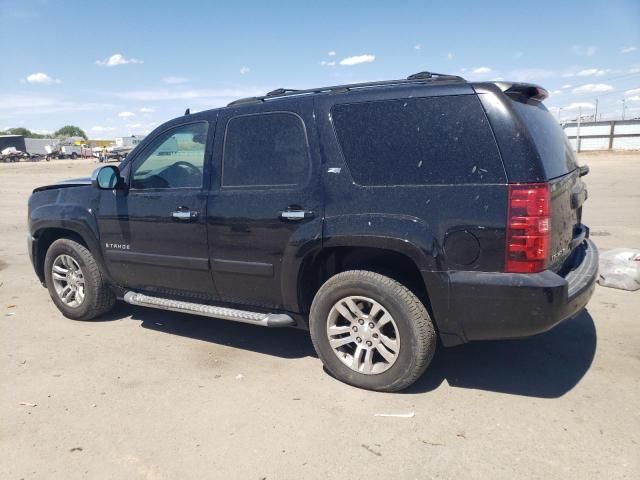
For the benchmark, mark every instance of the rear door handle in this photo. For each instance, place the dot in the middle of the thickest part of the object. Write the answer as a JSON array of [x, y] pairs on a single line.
[[183, 213], [296, 214]]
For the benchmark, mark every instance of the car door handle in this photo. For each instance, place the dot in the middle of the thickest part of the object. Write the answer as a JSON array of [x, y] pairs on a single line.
[[184, 214], [296, 214]]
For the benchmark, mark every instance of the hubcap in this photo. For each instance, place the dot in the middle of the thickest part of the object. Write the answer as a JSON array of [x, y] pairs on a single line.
[[68, 280], [363, 335]]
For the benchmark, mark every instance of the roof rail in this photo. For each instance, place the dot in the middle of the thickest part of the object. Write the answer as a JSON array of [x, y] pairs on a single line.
[[420, 77]]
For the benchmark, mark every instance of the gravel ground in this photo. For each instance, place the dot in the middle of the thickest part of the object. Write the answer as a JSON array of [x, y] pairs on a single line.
[[150, 394]]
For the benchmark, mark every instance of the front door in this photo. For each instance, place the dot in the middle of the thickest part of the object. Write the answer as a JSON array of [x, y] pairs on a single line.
[[265, 204], [154, 236]]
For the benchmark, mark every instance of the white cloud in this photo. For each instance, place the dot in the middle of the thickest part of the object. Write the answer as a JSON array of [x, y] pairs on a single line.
[[14, 105], [628, 49], [633, 91], [450, 56], [593, 88], [244, 70], [147, 110], [529, 74], [417, 46], [583, 51], [126, 114], [41, 79], [115, 60], [480, 70], [567, 85], [556, 92], [134, 125], [635, 98], [101, 129], [578, 105], [591, 72], [211, 96], [355, 60], [324, 63], [332, 53], [174, 80]]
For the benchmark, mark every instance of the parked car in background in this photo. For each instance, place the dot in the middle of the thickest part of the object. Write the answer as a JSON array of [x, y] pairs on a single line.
[[74, 151], [12, 154]]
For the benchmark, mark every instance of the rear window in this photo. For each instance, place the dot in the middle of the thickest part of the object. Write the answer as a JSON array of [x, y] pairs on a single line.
[[418, 141], [551, 142]]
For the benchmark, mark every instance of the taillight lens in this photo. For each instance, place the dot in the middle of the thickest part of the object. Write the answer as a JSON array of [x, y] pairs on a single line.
[[528, 228]]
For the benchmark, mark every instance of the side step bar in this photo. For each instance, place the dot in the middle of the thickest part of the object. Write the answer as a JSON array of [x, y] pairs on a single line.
[[254, 318]]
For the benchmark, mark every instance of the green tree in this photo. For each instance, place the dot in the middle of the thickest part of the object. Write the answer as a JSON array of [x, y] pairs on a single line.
[[70, 131], [20, 131], [24, 132]]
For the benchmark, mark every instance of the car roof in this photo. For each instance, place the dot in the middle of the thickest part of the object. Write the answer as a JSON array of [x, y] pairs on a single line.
[[427, 78]]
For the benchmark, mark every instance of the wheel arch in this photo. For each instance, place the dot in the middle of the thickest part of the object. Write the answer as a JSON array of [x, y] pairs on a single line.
[[47, 233], [321, 264]]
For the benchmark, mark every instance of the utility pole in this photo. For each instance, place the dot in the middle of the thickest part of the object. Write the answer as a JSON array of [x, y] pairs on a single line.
[[578, 130], [595, 115], [623, 108]]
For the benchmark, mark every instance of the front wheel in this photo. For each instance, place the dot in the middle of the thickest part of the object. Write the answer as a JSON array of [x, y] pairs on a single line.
[[370, 331], [75, 282]]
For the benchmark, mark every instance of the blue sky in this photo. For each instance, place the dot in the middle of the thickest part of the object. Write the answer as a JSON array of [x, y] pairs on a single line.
[[121, 67]]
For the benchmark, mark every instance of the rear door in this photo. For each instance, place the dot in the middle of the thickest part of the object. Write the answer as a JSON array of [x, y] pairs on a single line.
[[568, 191], [265, 203]]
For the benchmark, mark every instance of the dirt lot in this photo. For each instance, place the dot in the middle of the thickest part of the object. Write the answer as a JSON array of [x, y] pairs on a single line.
[[149, 394]]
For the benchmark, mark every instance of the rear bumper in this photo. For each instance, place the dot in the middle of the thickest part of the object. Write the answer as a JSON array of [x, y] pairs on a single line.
[[490, 306]]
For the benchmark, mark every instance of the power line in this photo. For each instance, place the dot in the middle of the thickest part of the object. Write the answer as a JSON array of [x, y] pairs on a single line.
[[610, 79]]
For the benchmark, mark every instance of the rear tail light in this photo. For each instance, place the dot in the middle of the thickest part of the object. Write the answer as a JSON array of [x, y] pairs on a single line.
[[528, 228]]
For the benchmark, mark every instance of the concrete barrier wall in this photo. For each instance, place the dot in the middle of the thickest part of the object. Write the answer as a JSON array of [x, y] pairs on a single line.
[[611, 135]]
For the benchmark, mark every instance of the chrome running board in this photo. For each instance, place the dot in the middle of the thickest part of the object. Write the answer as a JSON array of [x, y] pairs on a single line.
[[254, 318]]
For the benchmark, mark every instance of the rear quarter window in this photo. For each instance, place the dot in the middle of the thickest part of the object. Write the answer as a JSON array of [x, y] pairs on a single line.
[[418, 141], [550, 140]]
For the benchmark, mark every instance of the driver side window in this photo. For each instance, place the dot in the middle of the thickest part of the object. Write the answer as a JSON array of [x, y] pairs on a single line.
[[174, 160]]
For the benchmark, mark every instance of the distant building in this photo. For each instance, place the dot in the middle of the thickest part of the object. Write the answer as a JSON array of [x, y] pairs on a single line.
[[99, 143]]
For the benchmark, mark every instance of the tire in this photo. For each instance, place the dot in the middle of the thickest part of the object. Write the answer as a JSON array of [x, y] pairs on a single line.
[[409, 330], [97, 299], [74, 156]]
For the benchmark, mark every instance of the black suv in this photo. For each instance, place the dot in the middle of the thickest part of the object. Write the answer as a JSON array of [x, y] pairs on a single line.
[[380, 216]]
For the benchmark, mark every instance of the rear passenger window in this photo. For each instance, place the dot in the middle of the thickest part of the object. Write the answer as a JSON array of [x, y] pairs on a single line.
[[268, 149], [419, 141]]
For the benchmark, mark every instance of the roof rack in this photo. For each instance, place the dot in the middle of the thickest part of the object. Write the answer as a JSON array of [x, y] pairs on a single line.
[[420, 77]]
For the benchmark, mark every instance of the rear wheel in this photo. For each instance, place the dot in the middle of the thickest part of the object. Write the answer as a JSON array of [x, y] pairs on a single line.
[[371, 331], [75, 282]]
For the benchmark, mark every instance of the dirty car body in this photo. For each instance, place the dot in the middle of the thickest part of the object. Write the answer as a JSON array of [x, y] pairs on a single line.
[[466, 193]]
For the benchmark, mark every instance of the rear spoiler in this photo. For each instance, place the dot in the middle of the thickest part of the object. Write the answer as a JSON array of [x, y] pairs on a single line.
[[523, 91]]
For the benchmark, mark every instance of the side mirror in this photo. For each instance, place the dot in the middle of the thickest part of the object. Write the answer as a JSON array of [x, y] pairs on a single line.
[[584, 169], [107, 178]]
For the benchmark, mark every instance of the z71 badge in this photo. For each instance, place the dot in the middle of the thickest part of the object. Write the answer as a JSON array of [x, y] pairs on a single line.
[[117, 246]]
